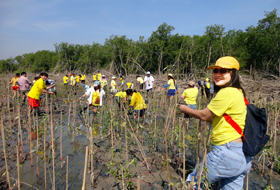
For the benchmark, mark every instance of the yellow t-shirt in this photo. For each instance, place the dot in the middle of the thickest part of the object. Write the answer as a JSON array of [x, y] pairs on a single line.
[[171, 84], [95, 95], [137, 101], [35, 91], [99, 76], [129, 84], [208, 85], [121, 79], [65, 79], [94, 77], [14, 80], [77, 79], [228, 100], [190, 95], [83, 77], [121, 94], [140, 80], [103, 83], [73, 80], [113, 84]]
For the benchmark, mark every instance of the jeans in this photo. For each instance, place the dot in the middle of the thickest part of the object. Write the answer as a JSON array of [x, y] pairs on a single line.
[[226, 164]]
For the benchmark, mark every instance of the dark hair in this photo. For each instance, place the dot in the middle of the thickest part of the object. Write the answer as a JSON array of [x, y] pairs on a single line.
[[36, 78], [17, 74], [130, 91], [234, 82], [44, 74], [23, 73], [79, 75]]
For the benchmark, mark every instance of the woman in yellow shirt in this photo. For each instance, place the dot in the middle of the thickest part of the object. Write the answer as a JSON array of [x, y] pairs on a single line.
[[172, 86], [15, 84], [226, 162], [103, 82], [137, 102]]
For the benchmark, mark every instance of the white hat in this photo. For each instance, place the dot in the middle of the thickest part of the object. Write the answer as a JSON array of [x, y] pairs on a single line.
[[96, 83], [148, 73], [113, 77]]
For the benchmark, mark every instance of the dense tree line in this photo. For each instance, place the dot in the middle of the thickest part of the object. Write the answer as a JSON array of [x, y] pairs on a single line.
[[256, 48]]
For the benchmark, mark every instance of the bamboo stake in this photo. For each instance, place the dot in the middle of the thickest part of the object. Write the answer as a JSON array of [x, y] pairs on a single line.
[[53, 153], [45, 164], [184, 151], [4, 149], [37, 144], [247, 181], [61, 156], [19, 128], [91, 151], [85, 169], [69, 113], [138, 183], [9, 115], [18, 182], [67, 173], [30, 136]]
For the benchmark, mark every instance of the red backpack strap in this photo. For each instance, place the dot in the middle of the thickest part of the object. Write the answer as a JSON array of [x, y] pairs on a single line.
[[234, 124]]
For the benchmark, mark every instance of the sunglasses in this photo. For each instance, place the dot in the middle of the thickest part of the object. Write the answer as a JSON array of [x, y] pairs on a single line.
[[222, 71]]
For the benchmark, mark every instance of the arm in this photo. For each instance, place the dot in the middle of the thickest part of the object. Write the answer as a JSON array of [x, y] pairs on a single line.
[[44, 91], [205, 114], [164, 86], [50, 86]]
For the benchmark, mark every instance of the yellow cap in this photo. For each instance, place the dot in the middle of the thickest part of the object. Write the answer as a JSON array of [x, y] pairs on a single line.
[[227, 62], [207, 79]]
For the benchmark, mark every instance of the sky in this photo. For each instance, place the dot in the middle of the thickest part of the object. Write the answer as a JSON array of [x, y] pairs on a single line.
[[28, 26]]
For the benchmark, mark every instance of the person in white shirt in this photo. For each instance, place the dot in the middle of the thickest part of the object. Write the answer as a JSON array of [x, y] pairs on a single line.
[[95, 95], [149, 81]]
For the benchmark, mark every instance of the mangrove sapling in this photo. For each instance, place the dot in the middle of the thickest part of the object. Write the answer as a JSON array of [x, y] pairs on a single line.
[[4, 149]]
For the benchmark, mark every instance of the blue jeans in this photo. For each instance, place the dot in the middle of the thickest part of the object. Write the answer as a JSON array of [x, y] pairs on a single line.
[[226, 164]]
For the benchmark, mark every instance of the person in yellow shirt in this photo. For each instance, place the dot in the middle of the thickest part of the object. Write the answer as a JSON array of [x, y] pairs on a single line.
[[72, 81], [99, 75], [129, 85], [226, 162], [94, 77], [121, 79], [77, 80], [113, 85], [15, 84], [36, 91], [120, 96], [190, 95], [104, 82], [138, 102], [207, 88], [83, 79], [140, 82], [172, 85], [65, 80]]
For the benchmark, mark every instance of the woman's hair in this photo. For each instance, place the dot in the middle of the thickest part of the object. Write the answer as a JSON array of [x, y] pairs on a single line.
[[36, 78], [130, 91], [17, 74], [98, 88], [234, 82], [172, 79]]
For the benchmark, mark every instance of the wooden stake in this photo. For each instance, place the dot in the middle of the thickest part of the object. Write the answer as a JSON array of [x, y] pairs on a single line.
[[85, 169], [61, 158], [4, 149]]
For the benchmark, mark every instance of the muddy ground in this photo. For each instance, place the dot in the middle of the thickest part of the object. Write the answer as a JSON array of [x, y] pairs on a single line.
[[116, 163]]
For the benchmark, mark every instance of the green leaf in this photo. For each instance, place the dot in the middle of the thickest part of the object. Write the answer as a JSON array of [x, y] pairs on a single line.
[[267, 147]]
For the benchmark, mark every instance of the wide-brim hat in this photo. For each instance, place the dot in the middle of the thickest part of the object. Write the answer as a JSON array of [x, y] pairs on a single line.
[[191, 83], [113, 77], [170, 75], [96, 83], [226, 62]]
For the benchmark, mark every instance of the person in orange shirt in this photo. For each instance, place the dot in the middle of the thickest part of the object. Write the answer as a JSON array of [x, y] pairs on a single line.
[[15, 84]]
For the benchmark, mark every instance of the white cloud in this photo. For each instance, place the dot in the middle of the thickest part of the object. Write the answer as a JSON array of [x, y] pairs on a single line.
[[55, 25]]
